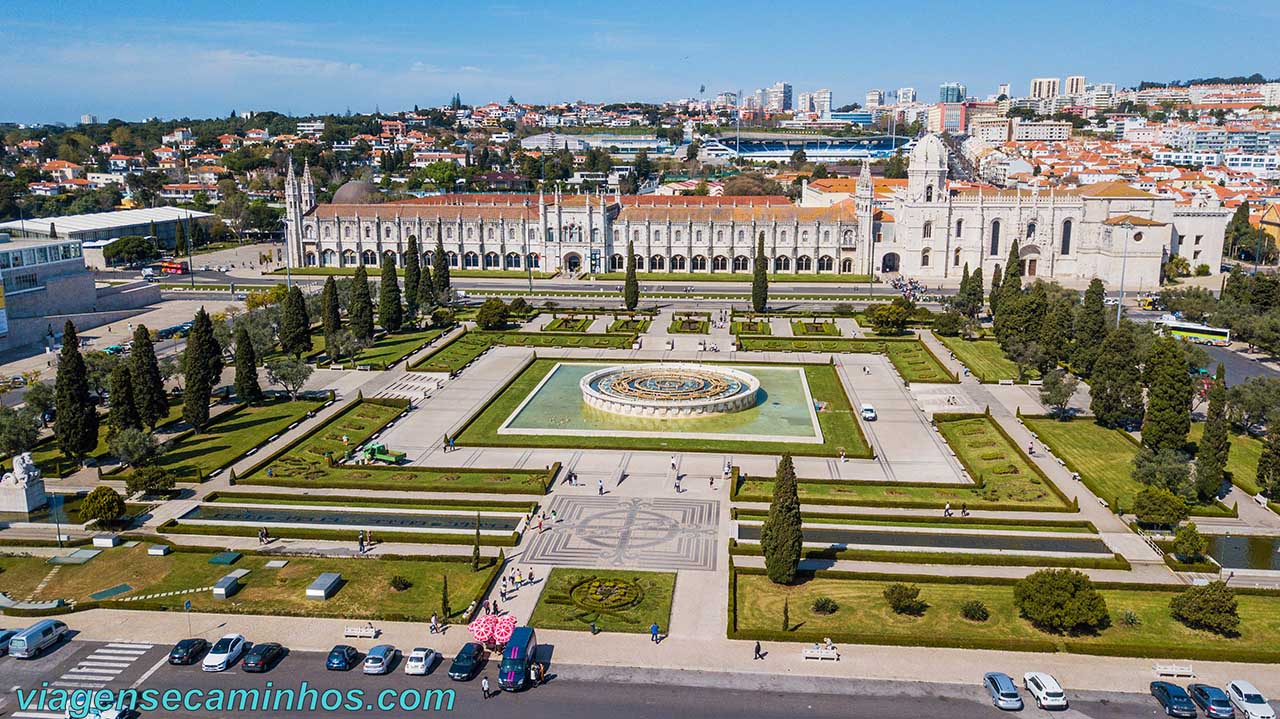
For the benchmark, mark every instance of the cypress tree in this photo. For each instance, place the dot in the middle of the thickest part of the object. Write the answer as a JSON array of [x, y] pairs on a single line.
[[412, 276], [1168, 397], [993, 299], [1011, 283], [390, 313], [631, 288], [440, 273], [295, 325], [780, 537], [1055, 331], [962, 293], [360, 314], [1116, 387], [204, 371], [760, 278], [148, 385], [77, 424], [426, 293], [123, 413], [1268, 475], [247, 389], [180, 240], [1091, 323], [1215, 444], [330, 315], [976, 295]]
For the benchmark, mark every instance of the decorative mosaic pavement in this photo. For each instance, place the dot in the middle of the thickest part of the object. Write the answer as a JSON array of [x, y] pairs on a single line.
[[629, 532]]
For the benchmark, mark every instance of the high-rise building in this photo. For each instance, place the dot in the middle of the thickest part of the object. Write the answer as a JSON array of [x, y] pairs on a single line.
[[906, 94], [875, 98], [726, 99], [951, 92], [1075, 85], [1003, 89], [87, 119], [804, 102], [822, 101], [1044, 88], [778, 97]]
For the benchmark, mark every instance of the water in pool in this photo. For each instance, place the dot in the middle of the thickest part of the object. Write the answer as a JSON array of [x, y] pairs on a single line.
[[389, 520], [1245, 552]]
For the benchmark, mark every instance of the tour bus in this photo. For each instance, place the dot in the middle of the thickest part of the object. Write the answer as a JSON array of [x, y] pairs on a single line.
[[173, 267], [28, 643], [1192, 332], [517, 659]]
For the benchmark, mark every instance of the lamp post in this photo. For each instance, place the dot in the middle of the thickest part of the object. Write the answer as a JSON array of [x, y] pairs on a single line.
[[1124, 261]]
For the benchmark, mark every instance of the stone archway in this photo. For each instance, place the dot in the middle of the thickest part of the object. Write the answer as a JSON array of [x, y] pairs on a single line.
[[572, 262], [1028, 260], [890, 262]]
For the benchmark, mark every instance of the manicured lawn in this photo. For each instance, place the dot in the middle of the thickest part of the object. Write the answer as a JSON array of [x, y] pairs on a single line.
[[343, 432], [803, 328], [53, 463], [406, 478], [460, 351], [391, 348], [917, 522], [615, 600], [569, 324], [1005, 473], [910, 357], [865, 616], [366, 593], [839, 427], [630, 326], [335, 500], [751, 327], [731, 277], [984, 358], [1242, 460], [690, 326], [230, 436]]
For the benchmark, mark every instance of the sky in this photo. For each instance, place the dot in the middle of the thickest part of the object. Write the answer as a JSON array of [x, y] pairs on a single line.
[[190, 58]]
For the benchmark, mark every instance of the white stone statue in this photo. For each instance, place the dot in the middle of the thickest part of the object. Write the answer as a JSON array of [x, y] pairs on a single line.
[[22, 490], [24, 471]]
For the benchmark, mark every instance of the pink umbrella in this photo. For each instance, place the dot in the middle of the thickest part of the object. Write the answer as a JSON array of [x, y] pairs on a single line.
[[482, 627], [502, 628]]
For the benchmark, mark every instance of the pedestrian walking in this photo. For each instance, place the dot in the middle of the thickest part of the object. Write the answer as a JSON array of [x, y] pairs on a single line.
[[600, 487], [531, 575], [484, 686], [554, 518], [653, 632], [758, 654], [520, 580], [434, 627], [842, 457], [495, 607], [485, 606], [539, 525], [677, 484], [673, 463], [964, 509], [946, 511]]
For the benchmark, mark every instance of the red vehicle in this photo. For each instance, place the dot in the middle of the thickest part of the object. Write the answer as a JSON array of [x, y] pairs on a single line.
[[173, 267]]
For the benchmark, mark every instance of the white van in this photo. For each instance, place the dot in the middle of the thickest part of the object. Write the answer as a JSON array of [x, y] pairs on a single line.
[[28, 643], [868, 413]]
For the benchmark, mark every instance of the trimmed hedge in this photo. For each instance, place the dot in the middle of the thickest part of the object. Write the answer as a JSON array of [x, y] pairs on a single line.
[[173, 526], [270, 497], [950, 558], [387, 485], [1082, 524]]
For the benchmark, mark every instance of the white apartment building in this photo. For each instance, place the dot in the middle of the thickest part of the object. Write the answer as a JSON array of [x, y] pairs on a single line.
[[821, 99], [804, 102], [874, 98], [778, 97], [1044, 88], [1041, 131], [906, 94], [1075, 85]]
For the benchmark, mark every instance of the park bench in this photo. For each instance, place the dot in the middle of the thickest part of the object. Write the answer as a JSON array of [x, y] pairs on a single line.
[[822, 652], [356, 631], [1174, 670]]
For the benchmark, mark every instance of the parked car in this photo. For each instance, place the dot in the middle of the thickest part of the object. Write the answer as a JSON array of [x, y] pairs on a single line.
[[224, 653], [188, 651], [379, 659], [262, 657], [1173, 699], [5, 636], [1247, 700], [420, 661], [341, 658], [1004, 693], [517, 656], [1212, 701], [30, 642], [17, 381], [470, 659], [1045, 690]]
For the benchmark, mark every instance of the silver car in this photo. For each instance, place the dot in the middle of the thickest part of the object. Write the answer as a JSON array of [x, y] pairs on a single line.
[[379, 659], [1004, 693]]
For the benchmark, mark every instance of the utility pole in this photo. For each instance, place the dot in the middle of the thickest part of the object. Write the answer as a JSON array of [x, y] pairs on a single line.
[[191, 268], [1124, 261]]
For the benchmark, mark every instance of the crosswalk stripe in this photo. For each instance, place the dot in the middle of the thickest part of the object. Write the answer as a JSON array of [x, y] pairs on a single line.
[[134, 654], [76, 685], [116, 658], [129, 645], [109, 665], [94, 670]]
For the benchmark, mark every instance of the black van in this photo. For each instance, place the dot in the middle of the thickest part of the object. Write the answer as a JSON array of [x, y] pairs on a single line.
[[517, 659]]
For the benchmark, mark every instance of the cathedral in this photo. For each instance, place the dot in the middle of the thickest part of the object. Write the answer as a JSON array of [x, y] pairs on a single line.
[[924, 229]]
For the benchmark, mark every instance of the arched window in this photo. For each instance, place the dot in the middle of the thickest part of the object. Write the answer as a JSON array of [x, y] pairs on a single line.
[[826, 235], [428, 257], [846, 266], [512, 261], [328, 258], [311, 259], [490, 260], [328, 232], [639, 263], [368, 232], [677, 263], [677, 236], [1031, 230], [804, 235], [804, 263], [616, 263], [390, 255], [657, 235], [719, 235], [781, 263], [448, 233], [368, 257], [636, 235], [533, 235], [784, 235], [995, 238], [924, 257], [453, 259], [387, 233], [1066, 237], [847, 239], [699, 263], [959, 227], [490, 233], [956, 259], [511, 233], [928, 193], [534, 260], [826, 263], [657, 262], [719, 263], [595, 234], [741, 263], [927, 232], [471, 232], [742, 234], [348, 257], [309, 232], [697, 235], [617, 236], [471, 260]]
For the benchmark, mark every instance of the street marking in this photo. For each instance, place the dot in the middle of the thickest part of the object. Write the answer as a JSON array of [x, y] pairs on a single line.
[[37, 715], [77, 685], [120, 653], [149, 672], [129, 645], [91, 670], [109, 665]]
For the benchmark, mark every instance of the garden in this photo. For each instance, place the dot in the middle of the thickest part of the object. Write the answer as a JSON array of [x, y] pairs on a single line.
[[690, 324], [910, 357], [630, 325], [750, 327], [984, 358], [467, 346], [568, 323], [814, 328], [609, 600]]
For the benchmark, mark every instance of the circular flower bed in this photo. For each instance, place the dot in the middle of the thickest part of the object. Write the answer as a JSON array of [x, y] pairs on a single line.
[[606, 595]]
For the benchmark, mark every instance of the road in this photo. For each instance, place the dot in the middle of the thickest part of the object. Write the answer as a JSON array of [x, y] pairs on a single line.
[[570, 691]]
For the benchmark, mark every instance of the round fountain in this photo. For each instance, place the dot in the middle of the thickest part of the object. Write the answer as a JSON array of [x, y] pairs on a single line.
[[668, 389]]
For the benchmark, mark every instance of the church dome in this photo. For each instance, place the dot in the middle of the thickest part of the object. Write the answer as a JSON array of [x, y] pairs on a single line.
[[929, 152], [356, 192]]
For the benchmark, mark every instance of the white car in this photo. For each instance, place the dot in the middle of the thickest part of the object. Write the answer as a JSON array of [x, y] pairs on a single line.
[[868, 413], [224, 653], [1247, 700], [420, 661], [107, 713], [1045, 690]]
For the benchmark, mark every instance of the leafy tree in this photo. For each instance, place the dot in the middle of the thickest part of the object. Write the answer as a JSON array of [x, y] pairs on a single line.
[[949, 324], [440, 274], [780, 538], [974, 294], [1056, 330], [390, 313], [103, 504], [18, 430], [290, 373], [1116, 385], [130, 250], [1211, 607], [295, 325], [1061, 600], [40, 398], [1169, 397], [1188, 543], [888, 319], [631, 287], [1215, 444], [149, 480], [123, 413], [426, 292], [246, 383], [1057, 389], [1158, 506], [1090, 324], [492, 314], [76, 426], [1165, 468], [1268, 474], [760, 278], [993, 298], [132, 446], [412, 277], [202, 359], [360, 313], [148, 385], [904, 599], [1025, 354]]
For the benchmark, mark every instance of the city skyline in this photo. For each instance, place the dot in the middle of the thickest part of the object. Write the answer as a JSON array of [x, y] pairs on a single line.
[[300, 59]]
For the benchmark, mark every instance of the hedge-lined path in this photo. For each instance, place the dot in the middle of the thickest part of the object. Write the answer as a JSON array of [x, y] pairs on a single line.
[[1148, 574]]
